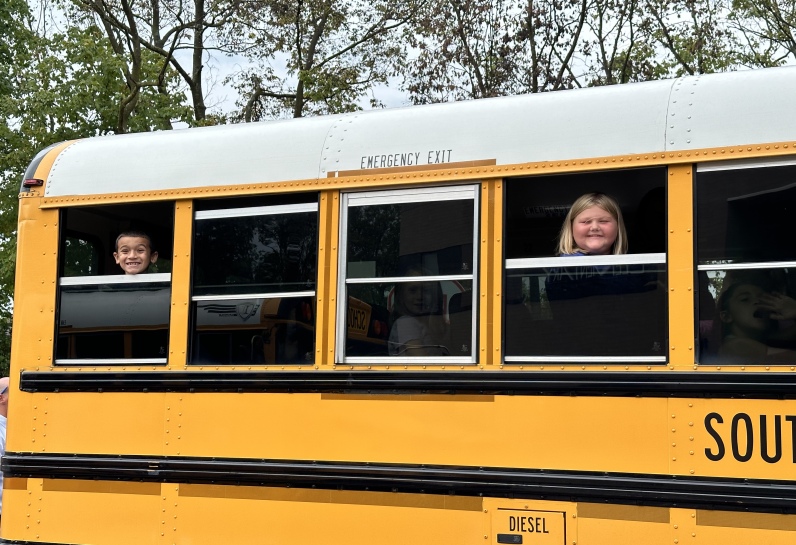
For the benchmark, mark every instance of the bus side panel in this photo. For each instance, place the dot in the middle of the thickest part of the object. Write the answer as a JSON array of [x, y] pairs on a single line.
[[603, 524], [621, 434], [692, 437], [302, 516], [727, 527], [739, 438], [105, 423], [75, 511], [34, 314]]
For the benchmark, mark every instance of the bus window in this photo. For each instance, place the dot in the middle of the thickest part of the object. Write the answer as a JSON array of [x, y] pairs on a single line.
[[104, 315], [254, 274], [579, 306], [408, 268], [746, 263]]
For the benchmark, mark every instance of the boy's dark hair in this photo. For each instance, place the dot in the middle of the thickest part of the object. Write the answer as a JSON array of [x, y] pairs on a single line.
[[139, 234]]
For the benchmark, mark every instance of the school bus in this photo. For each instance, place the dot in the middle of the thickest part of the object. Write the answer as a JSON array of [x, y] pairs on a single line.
[[251, 386]]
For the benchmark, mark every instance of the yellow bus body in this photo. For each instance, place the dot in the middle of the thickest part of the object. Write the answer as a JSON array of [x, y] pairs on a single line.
[[328, 451]]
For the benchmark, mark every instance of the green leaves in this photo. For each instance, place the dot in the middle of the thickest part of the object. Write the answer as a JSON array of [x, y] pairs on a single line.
[[317, 56], [63, 86]]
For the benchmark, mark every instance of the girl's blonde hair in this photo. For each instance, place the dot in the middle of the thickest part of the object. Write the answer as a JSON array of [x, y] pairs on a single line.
[[566, 240]]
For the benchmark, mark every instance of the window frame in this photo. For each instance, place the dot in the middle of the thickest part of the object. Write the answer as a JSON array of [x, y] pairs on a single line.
[[469, 191], [583, 261], [747, 164], [96, 280], [245, 212], [731, 265]]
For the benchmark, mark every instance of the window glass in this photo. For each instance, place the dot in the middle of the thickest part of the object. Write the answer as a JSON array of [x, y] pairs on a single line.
[[254, 271], [602, 296], [105, 314], [255, 254], [408, 275], [747, 267], [592, 312], [388, 239], [741, 211], [255, 330], [115, 320]]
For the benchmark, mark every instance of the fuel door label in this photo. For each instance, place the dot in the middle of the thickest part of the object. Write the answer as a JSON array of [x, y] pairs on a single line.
[[529, 527]]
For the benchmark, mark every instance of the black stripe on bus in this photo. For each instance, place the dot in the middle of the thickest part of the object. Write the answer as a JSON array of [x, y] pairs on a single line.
[[17, 542], [753, 385], [574, 486]]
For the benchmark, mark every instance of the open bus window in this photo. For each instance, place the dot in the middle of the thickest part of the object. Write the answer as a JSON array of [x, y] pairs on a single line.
[[254, 277], [408, 268], [606, 308], [104, 315], [746, 262]]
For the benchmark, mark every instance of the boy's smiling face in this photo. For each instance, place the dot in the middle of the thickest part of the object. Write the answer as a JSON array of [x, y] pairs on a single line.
[[134, 255]]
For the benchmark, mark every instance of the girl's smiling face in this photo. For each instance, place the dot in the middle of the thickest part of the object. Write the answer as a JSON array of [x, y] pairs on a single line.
[[595, 231]]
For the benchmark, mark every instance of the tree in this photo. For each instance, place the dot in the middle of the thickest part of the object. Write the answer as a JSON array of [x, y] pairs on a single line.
[[768, 30], [56, 87], [480, 48], [693, 36], [14, 27], [466, 49], [167, 30], [552, 37], [619, 54], [312, 57]]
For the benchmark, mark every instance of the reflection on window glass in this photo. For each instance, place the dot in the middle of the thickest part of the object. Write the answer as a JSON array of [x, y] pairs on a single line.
[[747, 266], [591, 311], [254, 331], [255, 254], [391, 239], [748, 316], [407, 318], [410, 270], [741, 212], [254, 272], [114, 321]]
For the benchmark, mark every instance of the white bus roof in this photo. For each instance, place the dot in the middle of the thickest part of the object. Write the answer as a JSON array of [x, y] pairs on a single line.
[[707, 111]]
